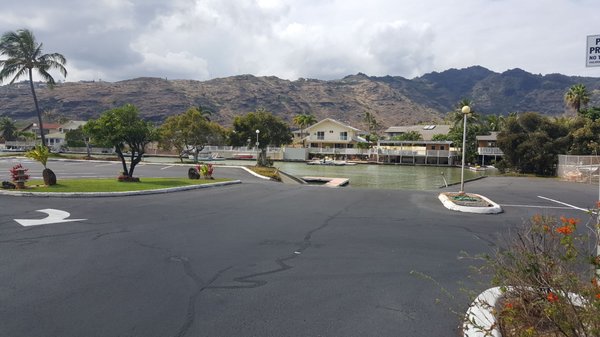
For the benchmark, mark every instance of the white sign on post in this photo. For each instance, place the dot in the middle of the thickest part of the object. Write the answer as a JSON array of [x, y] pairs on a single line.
[[592, 57]]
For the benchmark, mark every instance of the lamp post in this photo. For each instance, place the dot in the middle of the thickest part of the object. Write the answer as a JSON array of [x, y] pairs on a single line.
[[257, 143], [465, 111]]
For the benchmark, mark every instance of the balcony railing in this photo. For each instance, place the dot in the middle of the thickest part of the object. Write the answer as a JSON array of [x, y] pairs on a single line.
[[489, 151]]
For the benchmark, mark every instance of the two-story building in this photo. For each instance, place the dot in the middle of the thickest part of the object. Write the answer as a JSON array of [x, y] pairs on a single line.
[[487, 148], [57, 139], [426, 131], [332, 137]]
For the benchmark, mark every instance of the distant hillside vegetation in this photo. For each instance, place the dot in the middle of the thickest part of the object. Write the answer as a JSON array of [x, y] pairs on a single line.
[[392, 100]]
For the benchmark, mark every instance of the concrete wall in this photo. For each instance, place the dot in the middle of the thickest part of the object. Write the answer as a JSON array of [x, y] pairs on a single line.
[[295, 154]]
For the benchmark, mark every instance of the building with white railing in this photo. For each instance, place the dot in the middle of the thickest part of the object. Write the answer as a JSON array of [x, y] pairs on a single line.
[[487, 148]]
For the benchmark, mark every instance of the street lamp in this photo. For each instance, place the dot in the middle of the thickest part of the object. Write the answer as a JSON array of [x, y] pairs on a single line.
[[465, 111], [257, 143]]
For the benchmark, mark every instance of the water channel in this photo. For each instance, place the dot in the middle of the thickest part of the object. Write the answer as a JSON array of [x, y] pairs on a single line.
[[378, 176]]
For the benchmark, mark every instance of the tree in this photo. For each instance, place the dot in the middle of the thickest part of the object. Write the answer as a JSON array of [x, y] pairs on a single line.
[[372, 125], [8, 129], [410, 135], [592, 113], [189, 133], [577, 97], [303, 121], [494, 122], [439, 137], [24, 55], [584, 136], [474, 127], [125, 130], [76, 138], [273, 132], [531, 144], [41, 153]]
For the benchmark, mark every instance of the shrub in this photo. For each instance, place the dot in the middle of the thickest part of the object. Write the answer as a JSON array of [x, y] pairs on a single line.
[[547, 274], [14, 173]]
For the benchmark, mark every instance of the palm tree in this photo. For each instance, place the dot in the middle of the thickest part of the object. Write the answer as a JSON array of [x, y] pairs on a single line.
[[577, 97], [8, 129], [23, 55], [495, 122], [456, 116], [304, 120]]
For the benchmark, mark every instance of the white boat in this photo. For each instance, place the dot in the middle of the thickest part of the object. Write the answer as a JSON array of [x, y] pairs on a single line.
[[329, 162], [476, 168], [207, 157]]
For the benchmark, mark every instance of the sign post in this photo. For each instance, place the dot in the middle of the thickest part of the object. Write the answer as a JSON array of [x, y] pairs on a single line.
[[592, 57]]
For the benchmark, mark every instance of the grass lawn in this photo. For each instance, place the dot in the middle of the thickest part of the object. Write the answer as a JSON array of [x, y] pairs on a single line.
[[112, 185]]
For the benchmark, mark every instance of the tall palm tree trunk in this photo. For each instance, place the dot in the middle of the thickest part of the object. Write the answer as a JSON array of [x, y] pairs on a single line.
[[37, 107]]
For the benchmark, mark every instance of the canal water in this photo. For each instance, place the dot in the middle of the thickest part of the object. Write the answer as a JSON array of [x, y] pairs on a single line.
[[384, 176], [377, 176]]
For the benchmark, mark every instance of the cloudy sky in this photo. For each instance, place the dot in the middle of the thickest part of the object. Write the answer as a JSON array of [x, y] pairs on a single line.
[[115, 40]]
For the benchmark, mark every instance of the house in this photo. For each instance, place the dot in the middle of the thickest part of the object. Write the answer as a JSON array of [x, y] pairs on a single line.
[[426, 131], [57, 139], [417, 152], [487, 148], [331, 136], [48, 128]]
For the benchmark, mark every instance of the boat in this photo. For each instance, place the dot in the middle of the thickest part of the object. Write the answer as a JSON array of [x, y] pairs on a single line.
[[329, 162], [207, 157], [243, 156], [477, 168]]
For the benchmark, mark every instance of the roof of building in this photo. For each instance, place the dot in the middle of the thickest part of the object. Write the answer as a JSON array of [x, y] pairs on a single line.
[[56, 135], [334, 121], [72, 125], [427, 131], [491, 136]]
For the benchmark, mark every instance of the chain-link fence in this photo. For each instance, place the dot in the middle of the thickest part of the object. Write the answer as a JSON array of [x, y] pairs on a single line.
[[583, 169]]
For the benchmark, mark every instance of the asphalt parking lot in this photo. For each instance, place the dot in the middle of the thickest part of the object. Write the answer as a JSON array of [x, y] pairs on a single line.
[[255, 259]]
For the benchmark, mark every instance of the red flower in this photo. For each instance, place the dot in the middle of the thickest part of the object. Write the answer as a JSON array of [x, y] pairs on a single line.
[[566, 230], [508, 305], [598, 296], [552, 297], [573, 221]]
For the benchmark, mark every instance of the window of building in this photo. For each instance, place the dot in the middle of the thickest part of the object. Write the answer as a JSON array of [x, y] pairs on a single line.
[[343, 135], [320, 135]]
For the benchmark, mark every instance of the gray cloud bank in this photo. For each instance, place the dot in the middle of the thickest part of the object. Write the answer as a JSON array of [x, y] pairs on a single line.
[[202, 39]]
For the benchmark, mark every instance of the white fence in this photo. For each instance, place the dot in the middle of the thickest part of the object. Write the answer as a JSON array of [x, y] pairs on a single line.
[[583, 169], [489, 151]]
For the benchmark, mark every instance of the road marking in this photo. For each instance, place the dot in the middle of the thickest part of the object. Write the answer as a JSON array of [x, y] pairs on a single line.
[[109, 164], [167, 167], [536, 206], [564, 203], [54, 216]]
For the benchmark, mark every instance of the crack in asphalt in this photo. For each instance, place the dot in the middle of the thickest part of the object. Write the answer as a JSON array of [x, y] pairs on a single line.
[[250, 281], [99, 235], [190, 315]]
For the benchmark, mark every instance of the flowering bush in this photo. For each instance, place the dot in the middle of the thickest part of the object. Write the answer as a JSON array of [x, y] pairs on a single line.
[[206, 170], [15, 176], [547, 272]]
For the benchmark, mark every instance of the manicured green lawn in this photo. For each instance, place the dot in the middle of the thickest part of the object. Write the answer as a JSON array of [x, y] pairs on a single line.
[[112, 185]]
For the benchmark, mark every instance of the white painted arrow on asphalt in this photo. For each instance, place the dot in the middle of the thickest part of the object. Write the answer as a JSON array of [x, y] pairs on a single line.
[[54, 216]]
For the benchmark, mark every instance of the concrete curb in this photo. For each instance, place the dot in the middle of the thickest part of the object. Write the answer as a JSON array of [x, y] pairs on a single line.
[[480, 320], [449, 204], [117, 194]]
